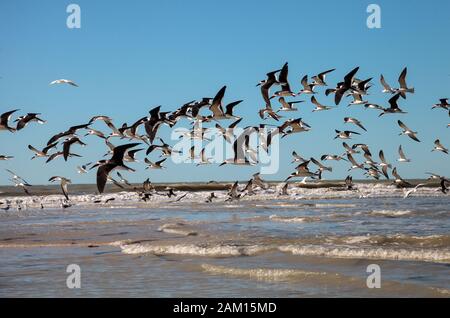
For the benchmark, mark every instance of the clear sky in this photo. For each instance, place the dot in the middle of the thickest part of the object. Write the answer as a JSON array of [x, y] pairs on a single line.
[[129, 56]]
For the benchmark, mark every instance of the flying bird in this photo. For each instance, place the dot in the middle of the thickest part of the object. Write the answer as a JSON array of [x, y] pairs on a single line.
[[64, 182], [408, 132], [439, 147], [115, 162], [64, 81]]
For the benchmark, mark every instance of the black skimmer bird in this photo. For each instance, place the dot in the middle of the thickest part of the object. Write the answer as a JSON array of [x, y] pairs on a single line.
[[307, 88], [268, 109], [321, 167], [384, 164], [399, 182], [402, 155], [64, 182], [344, 86], [95, 132], [373, 172], [123, 180], [319, 106], [5, 157], [154, 165], [386, 87], [302, 170], [284, 189], [360, 87], [23, 121], [444, 185], [350, 120], [283, 80], [319, 79], [203, 159], [42, 153], [355, 165], [349, 183], [348, 149], [297, 158], [347, 134], [363, 147], [217, 110], [227, 133], [288, 106], [296, 125], [166, 149], [433, 176], [239, 157], [4, 120], [153, 123], [17, 178], [116, 162], [60, 154], [357, 100], [233, 192], [267, 84], [71, 132], [439, 147], [394, 108], [68, 143], [403, 86], [256, 178], [408, 132], [130, 155], [64, 81], [332, 157], [84, 168], [443, 103], [211, 197]]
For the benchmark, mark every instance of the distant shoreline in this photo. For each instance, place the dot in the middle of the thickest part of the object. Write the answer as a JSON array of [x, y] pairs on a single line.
[[42, 190]]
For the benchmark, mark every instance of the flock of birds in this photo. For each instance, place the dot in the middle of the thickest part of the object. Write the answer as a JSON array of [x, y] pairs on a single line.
[[350, 86]]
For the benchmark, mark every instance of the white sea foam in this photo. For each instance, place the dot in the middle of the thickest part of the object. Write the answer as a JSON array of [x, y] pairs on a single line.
[[216, 250], [176, 228], [262, 273], [287, 219], [391, 213], [427, 255]]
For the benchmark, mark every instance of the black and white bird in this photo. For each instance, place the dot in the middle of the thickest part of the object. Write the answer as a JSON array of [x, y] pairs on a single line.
[[116, 162], [350, 120], [408, 132], [345, 134], [402, 155], [319, 106], [63, 182], [394, 108], [319, 79], [4, 121], [23, 121], [439, 147], [64, 81]]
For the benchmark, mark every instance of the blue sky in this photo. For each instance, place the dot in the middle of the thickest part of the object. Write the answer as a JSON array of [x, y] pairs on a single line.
[[129, 56]]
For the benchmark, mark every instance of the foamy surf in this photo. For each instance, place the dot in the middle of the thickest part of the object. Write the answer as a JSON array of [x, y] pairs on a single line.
[[425, 255], [176, 228], [287, 219], [215, 250], [270, 274]]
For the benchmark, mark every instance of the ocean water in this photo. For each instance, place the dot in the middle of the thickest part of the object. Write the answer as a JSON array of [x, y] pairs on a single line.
[[312, 243]]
